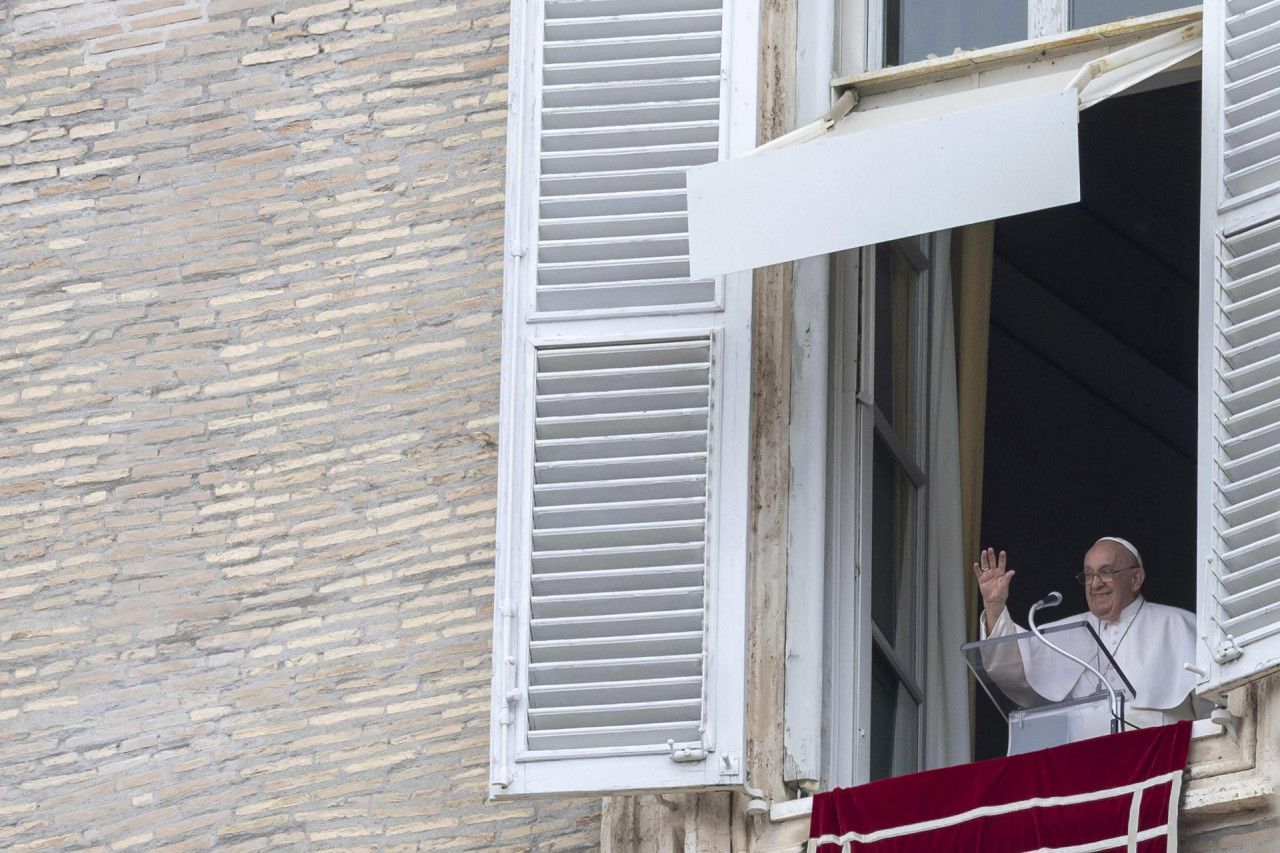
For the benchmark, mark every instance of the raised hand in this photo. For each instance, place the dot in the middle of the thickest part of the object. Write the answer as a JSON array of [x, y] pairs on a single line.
[[993, 583]]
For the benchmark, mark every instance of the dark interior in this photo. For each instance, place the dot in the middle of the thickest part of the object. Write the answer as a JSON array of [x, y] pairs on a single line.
[[1091, 413]]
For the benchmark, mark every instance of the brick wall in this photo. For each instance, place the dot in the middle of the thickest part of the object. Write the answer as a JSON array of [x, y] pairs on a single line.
[[250, 281]]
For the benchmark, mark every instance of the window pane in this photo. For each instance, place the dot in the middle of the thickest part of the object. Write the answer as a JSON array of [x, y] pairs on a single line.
[[895, 340], [916, 28], [1090, 13], [893, 599], [894, 723]]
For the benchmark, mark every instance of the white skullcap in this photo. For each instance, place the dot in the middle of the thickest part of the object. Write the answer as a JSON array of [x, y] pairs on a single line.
[[1126, 543]]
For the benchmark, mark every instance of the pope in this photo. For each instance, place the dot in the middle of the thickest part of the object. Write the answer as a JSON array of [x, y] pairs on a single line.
[[1150, 642]]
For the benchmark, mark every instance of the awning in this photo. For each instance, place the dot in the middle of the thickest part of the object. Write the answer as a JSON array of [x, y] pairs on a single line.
[[911, 168]]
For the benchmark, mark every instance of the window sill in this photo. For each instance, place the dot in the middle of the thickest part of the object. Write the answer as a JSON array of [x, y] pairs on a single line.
[[1213, 754], [967, 62]]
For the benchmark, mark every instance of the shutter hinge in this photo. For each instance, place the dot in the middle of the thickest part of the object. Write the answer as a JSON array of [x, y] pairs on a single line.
[[687, 752], [1227, 650], [516, 251], [511, 696]]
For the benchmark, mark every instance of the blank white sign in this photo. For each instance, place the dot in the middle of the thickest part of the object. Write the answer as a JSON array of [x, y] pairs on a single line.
[[895, 179]]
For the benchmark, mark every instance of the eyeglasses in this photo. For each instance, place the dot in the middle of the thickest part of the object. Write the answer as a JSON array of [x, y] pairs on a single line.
[[1105, 575]]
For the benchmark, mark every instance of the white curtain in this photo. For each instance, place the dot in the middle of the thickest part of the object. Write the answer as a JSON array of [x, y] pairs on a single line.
[[946, 720]]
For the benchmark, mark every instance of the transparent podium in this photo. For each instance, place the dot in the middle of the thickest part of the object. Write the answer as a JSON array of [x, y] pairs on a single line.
[[1047, 698]]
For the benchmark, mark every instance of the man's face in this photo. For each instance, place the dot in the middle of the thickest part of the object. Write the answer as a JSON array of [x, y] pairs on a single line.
[[1108, 598]]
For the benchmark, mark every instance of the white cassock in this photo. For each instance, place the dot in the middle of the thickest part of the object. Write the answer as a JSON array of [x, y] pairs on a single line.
[[1150, 643]]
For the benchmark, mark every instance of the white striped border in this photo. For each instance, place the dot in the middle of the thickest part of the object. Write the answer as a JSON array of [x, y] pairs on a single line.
[[1129, 841]]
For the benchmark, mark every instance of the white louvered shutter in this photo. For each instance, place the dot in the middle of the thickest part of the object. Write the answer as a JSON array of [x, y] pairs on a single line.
[[1239, 514], [620, 625]]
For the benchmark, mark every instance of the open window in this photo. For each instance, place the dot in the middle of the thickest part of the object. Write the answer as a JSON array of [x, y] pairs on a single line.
[[1144, 389], [1090, 429]]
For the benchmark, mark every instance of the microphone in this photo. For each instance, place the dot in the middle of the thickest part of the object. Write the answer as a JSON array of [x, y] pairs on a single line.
[[1053, 599]]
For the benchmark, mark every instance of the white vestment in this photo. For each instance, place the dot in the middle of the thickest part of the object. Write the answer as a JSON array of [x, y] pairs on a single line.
[[1150, 643]]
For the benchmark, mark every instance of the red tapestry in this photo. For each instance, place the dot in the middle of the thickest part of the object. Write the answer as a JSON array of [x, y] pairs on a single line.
[[1118, 792]]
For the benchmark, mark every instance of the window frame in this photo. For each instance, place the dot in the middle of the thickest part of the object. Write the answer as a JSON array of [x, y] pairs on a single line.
[[854, 429], [842, 759], [1222, 756], [860, 30]]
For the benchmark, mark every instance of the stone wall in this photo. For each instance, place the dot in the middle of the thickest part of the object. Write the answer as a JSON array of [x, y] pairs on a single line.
[[1260, 837], [250, 282]]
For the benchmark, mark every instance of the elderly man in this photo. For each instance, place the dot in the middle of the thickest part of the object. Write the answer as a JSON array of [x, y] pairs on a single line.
[[1150, 642]]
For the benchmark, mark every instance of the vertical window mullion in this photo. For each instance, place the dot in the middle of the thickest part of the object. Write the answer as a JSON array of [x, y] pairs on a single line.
[[1048, 17]]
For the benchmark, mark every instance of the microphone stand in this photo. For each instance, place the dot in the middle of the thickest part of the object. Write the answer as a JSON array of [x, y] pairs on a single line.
[[1053, 599]]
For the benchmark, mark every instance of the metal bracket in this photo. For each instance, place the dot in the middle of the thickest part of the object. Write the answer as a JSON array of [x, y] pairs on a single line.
[[1227, 650], [687, 752], [1229, 722]]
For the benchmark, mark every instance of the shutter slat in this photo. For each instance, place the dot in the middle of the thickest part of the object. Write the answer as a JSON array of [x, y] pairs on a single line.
[[616, 580], [617, 557], [611, 737], [610, 670], [618, 69], [1252, 453], [577, 29], [603, 491], [613, 229], [1254, 374], [589, 425], [582, 515], [1254, 551], [626, 296], [679, 155], [571, 184], [617, 379], [1255, 625], [604, 204], [665, 533], [588, 8], [1255, 576], [592, 403], [1256, 526], [1252, 64], [675, 465], [1258, 84], [564, 119], [615, 625], [645, 47], [558, 718], [601, 648], [606, 447], [617, 692], [585, 604], [616, 271], [1252, 38]]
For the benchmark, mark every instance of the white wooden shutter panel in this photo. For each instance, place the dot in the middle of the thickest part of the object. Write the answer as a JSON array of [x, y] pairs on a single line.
[[631, 97], [1239, 528], [619, 533], [620, 624]]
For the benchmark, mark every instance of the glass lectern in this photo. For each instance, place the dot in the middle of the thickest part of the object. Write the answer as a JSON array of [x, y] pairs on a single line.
[[1047, 698]]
